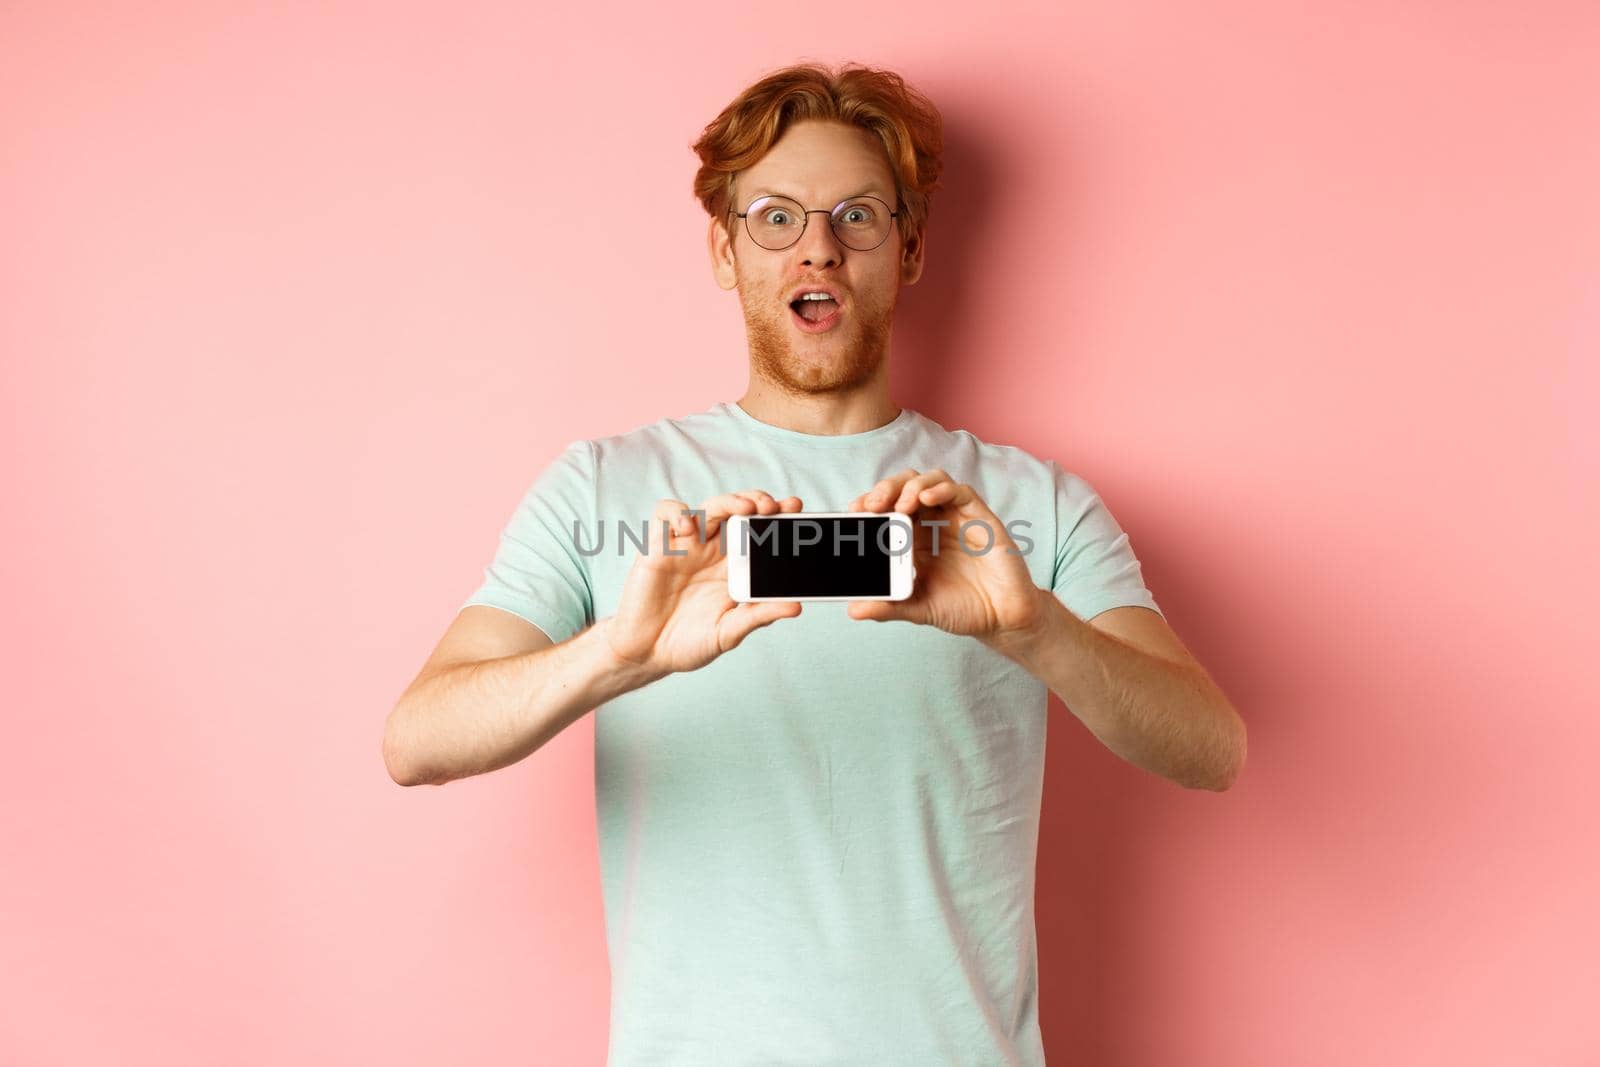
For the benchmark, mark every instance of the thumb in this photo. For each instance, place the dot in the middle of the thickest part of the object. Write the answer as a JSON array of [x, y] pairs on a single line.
[[741, 620], [882, 610]]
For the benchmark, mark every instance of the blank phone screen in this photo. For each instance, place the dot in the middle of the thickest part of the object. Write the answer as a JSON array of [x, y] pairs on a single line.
[[801, 556]]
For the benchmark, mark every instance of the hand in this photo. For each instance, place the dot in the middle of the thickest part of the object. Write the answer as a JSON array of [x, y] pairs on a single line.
[[985, 594], [674, 613]]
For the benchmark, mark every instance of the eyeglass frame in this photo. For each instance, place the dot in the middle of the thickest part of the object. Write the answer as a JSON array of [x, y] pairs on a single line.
[[806, 214]]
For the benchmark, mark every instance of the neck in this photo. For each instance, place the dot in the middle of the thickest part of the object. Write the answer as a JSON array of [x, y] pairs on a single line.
[[827, 414]]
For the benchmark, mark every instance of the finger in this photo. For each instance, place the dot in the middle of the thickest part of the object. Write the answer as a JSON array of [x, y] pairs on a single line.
[[724, 504], [886, 489], [721, 506], [909, 498], [667, 508], [964, 498], [764, 501], [970, 507], [940, 495], [742, 502], [739, 621], [745, 502], [668, 519], [672, 512]]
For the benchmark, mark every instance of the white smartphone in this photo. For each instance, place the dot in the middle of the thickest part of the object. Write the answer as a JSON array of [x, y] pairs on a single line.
[[820, 555]]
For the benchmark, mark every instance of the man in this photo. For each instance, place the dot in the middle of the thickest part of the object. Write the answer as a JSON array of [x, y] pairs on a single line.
[[817, 828]]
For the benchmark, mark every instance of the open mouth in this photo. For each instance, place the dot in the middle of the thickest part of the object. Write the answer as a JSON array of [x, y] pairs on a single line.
[[815, 313]]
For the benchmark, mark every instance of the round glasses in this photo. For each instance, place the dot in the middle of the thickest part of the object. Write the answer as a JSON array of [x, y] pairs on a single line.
[[776, 222]]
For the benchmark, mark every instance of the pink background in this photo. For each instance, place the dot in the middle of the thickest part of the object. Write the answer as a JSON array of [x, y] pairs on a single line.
[[294, 305]]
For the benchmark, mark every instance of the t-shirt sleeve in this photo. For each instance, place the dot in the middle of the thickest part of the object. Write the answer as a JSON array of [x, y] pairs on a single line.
[[537, 571], [1095, 567]]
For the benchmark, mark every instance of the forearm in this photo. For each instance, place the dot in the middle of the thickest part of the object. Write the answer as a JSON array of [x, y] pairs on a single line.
[[1168, 718], [479, 717]]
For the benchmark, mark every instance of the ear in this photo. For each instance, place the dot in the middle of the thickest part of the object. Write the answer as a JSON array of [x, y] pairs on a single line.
[[720, 245], [911, 258]]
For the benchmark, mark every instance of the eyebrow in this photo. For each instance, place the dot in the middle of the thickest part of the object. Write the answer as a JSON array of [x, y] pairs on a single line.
[[763, 191]]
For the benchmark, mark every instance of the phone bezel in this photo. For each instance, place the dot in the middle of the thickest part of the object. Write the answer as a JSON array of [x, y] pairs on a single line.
[[902, 567]]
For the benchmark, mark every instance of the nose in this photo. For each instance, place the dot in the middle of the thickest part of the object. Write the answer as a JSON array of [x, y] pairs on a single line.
[[819, 244]]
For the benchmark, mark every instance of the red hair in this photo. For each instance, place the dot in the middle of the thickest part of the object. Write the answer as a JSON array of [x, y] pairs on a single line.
[[878, 101]]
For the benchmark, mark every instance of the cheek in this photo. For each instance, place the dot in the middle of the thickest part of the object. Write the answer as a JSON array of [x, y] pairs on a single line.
[[881, 294], [759, 291]]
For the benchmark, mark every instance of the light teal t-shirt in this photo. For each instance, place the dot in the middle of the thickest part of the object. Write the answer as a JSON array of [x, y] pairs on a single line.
[[820, 848]]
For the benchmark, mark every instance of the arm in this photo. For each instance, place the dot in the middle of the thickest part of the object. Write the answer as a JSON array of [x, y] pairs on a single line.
[[1129, 679], [494, 691], [496, 688], [1125, 674]]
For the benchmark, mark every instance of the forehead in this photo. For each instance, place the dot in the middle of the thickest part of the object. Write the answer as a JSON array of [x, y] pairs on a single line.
[[817, 161], [870, 188]]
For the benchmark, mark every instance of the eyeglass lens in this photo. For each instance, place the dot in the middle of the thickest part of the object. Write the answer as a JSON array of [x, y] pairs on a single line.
[[776, 222]]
